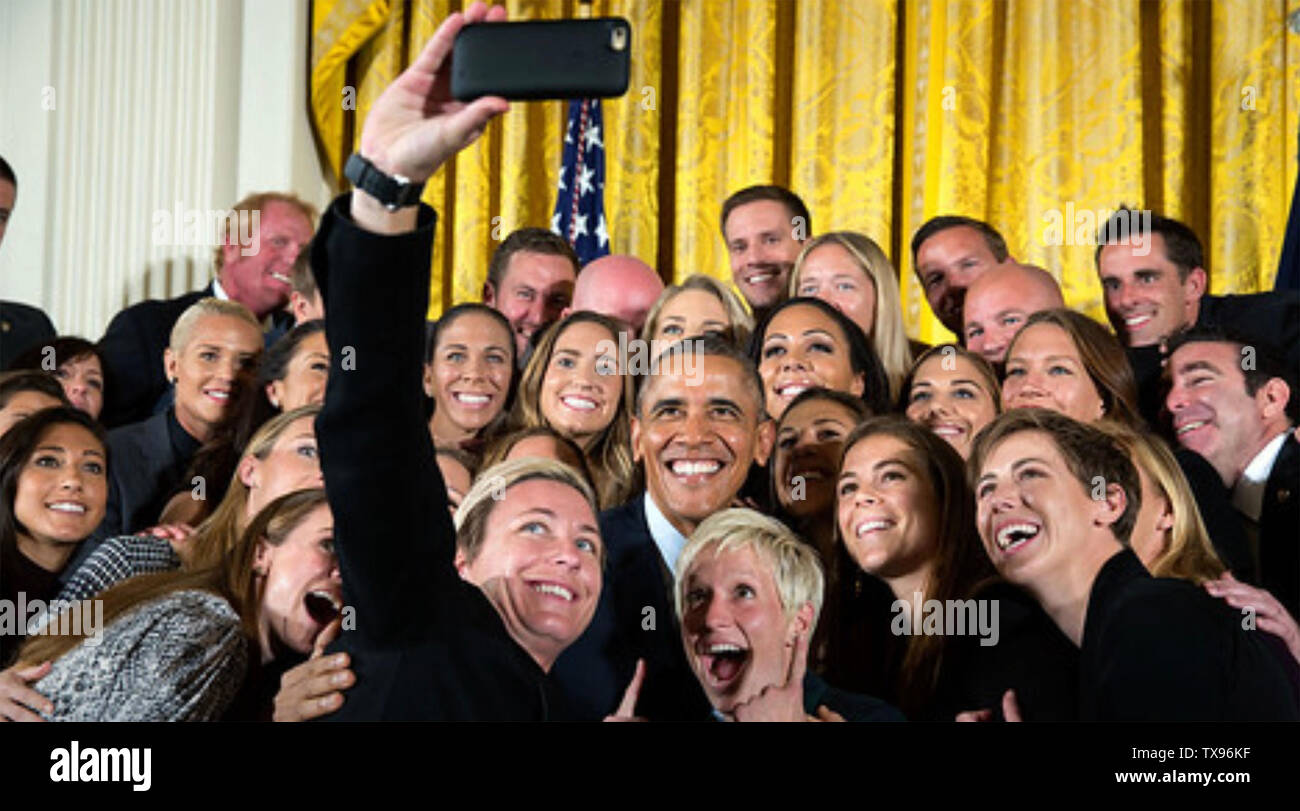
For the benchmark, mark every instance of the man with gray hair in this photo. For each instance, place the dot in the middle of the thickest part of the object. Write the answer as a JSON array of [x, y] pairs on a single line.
[[748, 595]]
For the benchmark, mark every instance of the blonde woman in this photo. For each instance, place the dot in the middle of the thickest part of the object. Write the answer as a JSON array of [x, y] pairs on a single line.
[[1170, 538], [850, 271], [698, 305]]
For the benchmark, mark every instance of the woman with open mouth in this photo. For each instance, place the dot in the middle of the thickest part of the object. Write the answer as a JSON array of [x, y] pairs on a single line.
[[576, 384], [953, 392], [469, 375], [199, 645], [53, 489], [805, 343], [906, 514]]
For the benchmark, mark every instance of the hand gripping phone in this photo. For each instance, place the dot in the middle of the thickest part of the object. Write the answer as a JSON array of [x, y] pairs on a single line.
[[542, 59]]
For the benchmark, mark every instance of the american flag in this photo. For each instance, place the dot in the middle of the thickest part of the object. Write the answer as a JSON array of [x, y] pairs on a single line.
[[580, 202]]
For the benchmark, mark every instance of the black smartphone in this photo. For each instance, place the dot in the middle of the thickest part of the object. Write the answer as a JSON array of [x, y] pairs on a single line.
[[543, 59]]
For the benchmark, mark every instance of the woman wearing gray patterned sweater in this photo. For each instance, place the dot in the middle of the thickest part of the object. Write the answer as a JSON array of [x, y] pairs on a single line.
[[184, 645]]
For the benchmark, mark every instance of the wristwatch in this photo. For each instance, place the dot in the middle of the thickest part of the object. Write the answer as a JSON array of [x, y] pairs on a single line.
[[394, 191]]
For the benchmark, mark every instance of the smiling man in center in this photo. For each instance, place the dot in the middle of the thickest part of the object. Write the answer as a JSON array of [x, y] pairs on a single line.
[[695, 437]]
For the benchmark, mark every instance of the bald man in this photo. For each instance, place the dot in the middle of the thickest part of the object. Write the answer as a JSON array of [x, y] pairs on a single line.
[[621, 287], [999, 301]]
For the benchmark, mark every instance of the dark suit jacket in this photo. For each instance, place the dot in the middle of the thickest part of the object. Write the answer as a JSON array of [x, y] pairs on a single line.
[[426, 644], [1156, 649], [596, 669], [1279, 528], [132, 347], [21, 326], [143, 471]]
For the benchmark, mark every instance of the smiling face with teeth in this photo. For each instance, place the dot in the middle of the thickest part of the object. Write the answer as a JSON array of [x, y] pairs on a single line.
[[263, 280], [950, 395], [469, 375], [302, 590], [804, 348], [219, 357], [887, 511], [1147, 297], [1037, 520], [581, 391], [737, 635], [1214, 413], [539, 563], [61, 493], [761, 243], [696, 437]]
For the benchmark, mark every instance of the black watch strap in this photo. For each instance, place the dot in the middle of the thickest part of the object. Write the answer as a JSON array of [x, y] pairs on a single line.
[[394, 191]]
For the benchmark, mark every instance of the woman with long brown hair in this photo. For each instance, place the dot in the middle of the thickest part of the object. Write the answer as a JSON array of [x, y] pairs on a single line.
[[575, 385], [906, 515], [185, 645]]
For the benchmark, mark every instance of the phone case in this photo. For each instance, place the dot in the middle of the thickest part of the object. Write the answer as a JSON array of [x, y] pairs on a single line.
[[544, 59]]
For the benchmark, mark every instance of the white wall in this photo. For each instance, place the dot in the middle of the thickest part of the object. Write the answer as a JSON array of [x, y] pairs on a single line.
[[115, 112]]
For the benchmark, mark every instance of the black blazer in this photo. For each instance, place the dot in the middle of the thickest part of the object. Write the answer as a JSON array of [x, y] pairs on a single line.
[[21, 327], [1156, 649], [426, 645], [1279, 528], [132, 347], [144, 470], [634, 619]]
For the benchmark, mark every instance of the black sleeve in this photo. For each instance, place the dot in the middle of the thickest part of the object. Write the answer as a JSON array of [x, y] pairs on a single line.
[[1163, 659], [392, 529], [1221, 519]]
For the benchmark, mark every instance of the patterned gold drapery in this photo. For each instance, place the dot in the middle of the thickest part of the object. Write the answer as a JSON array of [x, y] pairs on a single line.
[[880, 113]]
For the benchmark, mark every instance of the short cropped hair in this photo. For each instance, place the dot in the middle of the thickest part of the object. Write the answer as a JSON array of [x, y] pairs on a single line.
[[752, 194], [183, 329], [534, 240], [7, 172], [471, 517], [1268, 363], [1182, 247], [702, 346], [992, 238], [1089, 453], [794, 563], [258, 202]]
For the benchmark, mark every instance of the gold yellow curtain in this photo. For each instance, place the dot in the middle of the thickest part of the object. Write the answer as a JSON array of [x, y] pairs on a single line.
[[881, 114]]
